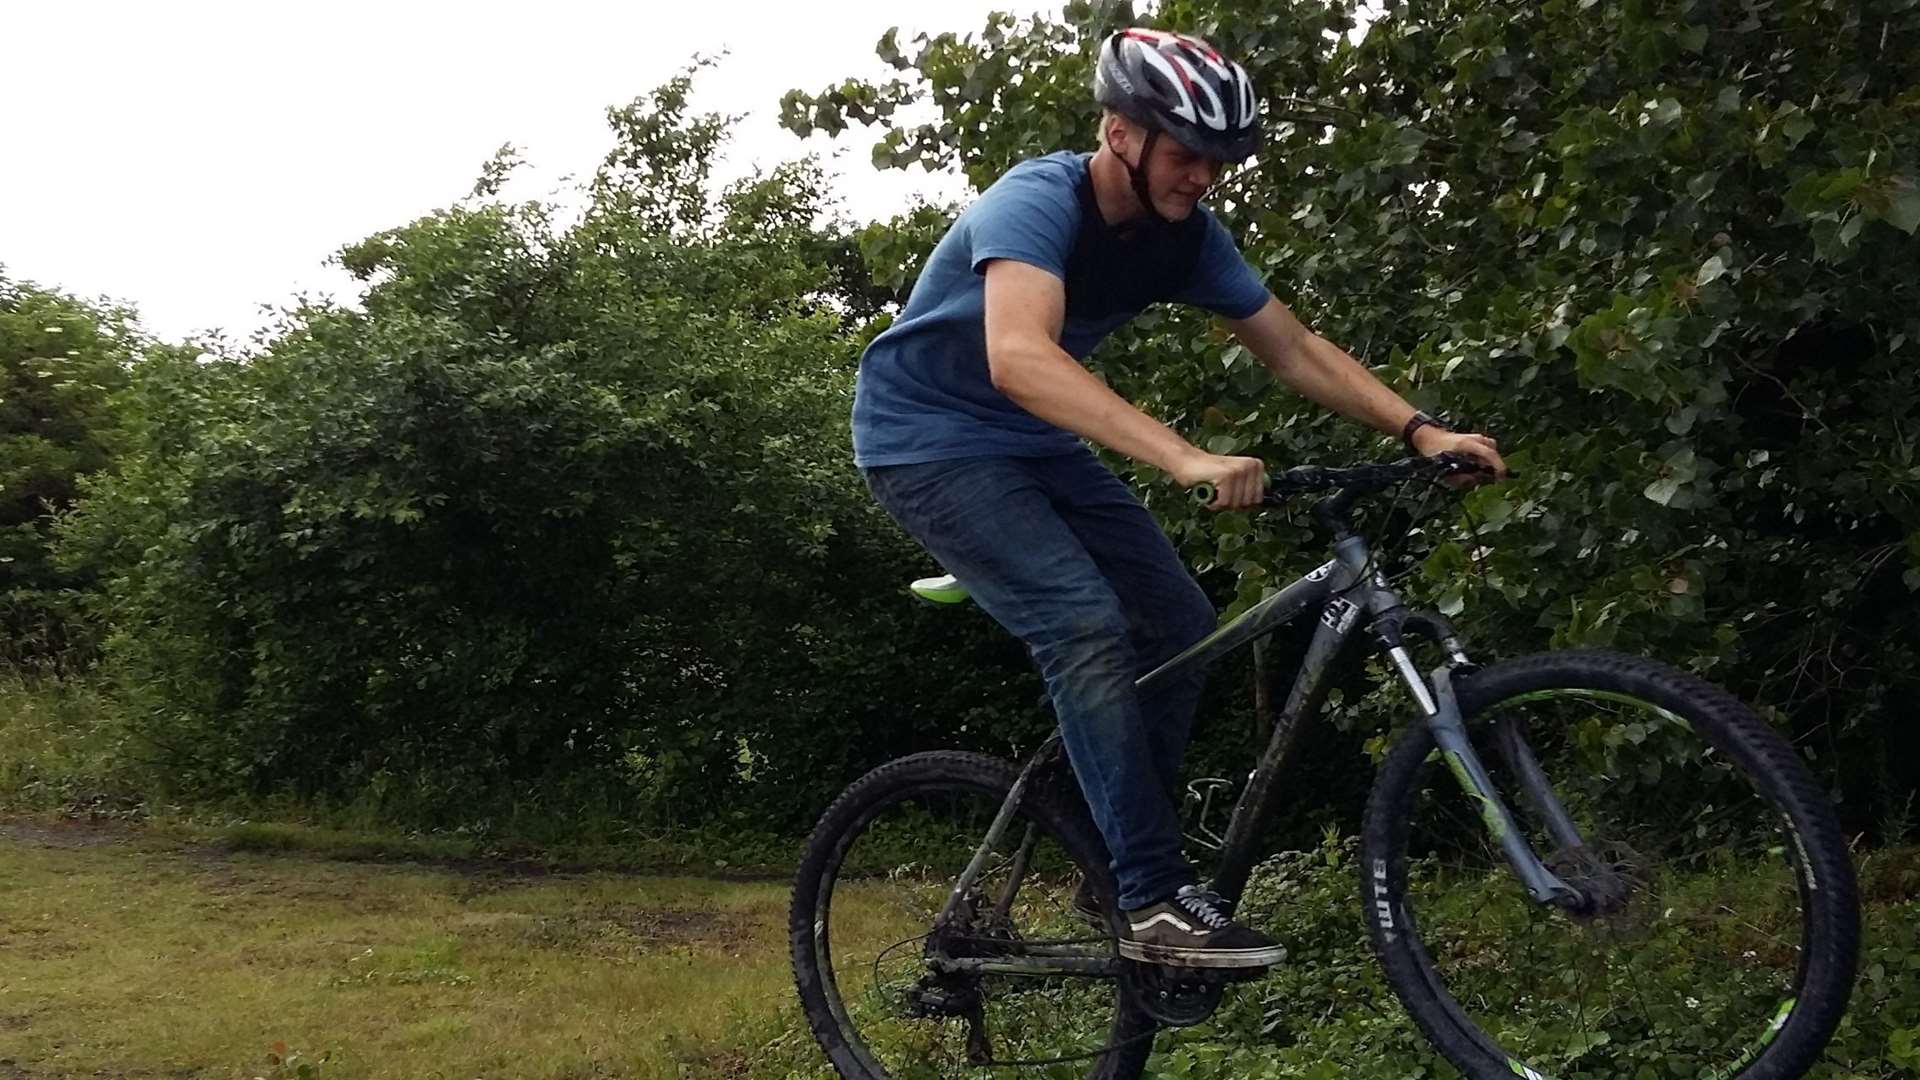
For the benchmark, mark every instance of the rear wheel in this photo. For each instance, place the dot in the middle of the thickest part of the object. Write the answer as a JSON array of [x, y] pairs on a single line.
[[878, 869], [1720, 928]]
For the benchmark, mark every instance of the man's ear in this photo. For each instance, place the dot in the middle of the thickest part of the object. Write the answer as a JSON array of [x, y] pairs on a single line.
[[1119, 135]]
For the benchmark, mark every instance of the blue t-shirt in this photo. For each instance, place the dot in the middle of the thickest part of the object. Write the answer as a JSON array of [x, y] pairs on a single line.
[[923, 392]]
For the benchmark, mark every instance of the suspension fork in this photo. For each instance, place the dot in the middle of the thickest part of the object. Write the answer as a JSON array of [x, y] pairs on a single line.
[[1436, 697]]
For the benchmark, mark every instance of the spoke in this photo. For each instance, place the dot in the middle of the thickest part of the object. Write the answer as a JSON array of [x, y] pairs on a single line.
[[1017, 904]]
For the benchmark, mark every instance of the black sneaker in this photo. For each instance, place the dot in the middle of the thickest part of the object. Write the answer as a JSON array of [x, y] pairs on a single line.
[[1190, 929]]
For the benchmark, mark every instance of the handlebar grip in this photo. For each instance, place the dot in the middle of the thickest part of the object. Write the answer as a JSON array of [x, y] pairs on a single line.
[[1203, 493], [1467, 463]]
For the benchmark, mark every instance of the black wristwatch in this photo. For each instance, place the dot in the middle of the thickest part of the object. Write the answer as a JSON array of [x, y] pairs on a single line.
[[1414, 423]]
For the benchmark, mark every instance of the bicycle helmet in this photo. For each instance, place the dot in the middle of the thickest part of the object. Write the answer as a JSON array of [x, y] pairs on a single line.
[[1179, 85]]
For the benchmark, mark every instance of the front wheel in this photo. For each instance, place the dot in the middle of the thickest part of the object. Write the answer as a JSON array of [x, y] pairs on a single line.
[[1719, 926]]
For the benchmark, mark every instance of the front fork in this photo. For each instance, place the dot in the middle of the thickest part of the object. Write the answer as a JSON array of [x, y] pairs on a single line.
[[1441, 707]]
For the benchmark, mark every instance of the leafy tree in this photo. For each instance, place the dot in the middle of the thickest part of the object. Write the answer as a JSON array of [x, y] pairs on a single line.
[[1663, 249], [61, 362]]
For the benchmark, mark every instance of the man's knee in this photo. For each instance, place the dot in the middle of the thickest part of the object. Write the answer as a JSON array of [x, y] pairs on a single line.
[[1095, 643]]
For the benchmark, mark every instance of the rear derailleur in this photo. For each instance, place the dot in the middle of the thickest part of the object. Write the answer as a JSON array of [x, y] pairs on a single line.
[[942, 997]]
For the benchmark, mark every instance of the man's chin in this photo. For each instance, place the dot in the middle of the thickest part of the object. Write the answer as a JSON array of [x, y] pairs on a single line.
[[1176, 209]]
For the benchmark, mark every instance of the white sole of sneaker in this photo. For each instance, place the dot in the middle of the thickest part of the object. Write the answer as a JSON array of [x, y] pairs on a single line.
[[1174, 956]]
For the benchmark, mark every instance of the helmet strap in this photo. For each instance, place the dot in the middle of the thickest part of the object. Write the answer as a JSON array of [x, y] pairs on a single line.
[[1138, 174]]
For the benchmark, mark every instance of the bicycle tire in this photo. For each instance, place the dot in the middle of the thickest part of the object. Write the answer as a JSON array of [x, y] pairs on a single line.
[[842, 823], [1821, 871]]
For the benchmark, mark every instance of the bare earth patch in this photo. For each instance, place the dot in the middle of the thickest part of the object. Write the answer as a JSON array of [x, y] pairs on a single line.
[[64, 833]]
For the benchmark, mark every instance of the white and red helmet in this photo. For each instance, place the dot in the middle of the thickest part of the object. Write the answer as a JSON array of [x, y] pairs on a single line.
[[1180, 85]]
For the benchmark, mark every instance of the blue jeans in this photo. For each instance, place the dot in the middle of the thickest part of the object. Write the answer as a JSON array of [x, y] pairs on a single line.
[[1060, 553]]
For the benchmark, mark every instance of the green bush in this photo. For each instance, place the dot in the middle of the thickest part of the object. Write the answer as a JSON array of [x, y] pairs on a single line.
[[562, 526]]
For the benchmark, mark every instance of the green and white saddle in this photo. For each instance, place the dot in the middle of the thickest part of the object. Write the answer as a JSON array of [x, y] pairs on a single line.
[[945, 589]]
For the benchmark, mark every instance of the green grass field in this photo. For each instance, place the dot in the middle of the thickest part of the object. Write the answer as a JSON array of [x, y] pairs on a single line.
[[135, 951], [191, 946], [123, 953]]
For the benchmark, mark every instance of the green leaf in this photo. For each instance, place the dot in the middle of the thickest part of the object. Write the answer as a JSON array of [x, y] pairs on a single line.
[[1796, 128], [1842, 185], [888, 49], [1710, 271], [1903, 208]]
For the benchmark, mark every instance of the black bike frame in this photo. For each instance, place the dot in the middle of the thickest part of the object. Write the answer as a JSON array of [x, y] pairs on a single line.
[[1353, 596]]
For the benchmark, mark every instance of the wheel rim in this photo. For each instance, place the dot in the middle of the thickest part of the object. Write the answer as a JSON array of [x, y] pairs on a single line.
[[887, 880], [1691, 960]]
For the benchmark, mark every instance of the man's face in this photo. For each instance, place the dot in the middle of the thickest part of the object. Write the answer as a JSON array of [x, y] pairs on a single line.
[[1176, 176]]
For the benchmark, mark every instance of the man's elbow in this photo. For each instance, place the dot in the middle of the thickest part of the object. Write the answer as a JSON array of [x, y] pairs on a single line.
[[1009, 364]]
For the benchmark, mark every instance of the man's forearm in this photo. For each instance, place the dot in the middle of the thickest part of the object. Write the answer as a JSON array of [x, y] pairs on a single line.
[[1320, 370], [1046, 382], [1323, 373]]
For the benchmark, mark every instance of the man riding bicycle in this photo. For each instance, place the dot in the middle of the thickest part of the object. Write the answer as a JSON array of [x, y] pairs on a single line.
[[971, 408]]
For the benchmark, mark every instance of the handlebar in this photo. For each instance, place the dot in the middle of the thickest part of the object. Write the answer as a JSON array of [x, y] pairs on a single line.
[[1354, 481]]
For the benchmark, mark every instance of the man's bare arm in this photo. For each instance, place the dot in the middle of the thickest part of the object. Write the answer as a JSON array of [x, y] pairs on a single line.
[[1025, 308], [1319, 370], [1323, 373]]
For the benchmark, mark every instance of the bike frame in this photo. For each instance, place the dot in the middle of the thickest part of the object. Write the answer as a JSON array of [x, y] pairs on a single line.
[[1353, 597]]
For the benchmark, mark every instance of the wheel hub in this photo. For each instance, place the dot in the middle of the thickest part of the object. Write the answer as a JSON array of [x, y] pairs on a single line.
[[1605, 876]]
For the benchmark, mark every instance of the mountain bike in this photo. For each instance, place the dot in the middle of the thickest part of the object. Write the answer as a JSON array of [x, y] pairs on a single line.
[[1669, 895]]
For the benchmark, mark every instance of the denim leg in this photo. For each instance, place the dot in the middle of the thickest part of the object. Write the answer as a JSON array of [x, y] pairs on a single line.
[[1166, 609], [995, 524]]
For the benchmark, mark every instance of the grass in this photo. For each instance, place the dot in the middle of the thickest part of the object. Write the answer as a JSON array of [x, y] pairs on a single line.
[[64, 749], [126, 953], [129, 952], [144, 940], [57, 745]]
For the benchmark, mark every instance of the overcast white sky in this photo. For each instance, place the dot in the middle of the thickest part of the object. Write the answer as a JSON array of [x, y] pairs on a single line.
[[198, 159]]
